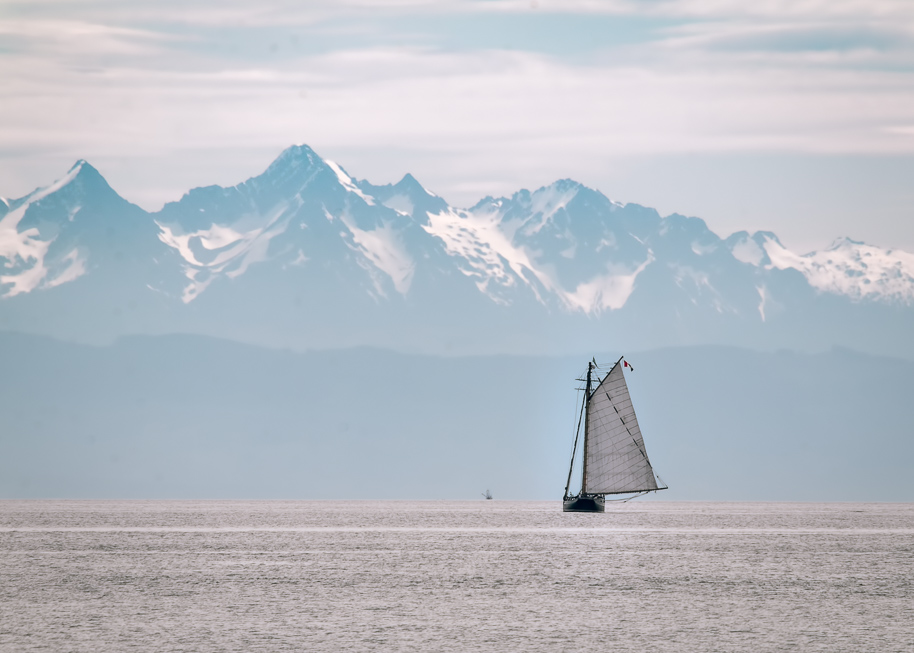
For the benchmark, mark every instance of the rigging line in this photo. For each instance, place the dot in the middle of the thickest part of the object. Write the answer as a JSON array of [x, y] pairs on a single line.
[[626, 499], [574, 410], [575, 449]]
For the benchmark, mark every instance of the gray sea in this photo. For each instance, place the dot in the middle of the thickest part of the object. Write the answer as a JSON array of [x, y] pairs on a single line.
[[454, 576]]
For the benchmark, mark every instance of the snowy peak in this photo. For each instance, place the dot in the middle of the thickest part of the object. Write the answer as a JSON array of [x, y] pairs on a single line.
[[563, 247], [842, 243], [543, 205], [297, 174], [852, 269], [535, 209], [294, 156], [410, 184], [292, 170], [303, 213], [80, 181], [847, 267], [407, 197], [555, 244], [46, 236]]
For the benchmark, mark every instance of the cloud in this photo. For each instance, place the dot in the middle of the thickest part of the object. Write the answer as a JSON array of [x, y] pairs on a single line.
[[61, 38], [112, 79], [455, 100]]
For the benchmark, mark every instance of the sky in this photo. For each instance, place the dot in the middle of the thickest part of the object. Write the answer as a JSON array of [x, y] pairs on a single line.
[[790, 116]]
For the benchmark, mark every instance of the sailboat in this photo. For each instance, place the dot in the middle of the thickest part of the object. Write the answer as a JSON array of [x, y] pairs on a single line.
[[614, 460]]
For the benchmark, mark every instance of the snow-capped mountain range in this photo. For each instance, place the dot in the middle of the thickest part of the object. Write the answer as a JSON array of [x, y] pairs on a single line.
[[304, 255]]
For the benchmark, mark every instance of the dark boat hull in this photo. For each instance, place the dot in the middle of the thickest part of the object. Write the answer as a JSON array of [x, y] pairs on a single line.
[[586, 503]]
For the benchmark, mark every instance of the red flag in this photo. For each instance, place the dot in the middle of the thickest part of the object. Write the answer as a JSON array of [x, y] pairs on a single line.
[[625, 364]]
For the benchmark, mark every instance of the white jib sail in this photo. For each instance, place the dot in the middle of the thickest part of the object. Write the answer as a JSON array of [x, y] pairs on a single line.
[[616, 458]]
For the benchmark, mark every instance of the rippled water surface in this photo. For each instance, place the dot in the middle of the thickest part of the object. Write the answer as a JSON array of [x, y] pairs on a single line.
[[461, 576]]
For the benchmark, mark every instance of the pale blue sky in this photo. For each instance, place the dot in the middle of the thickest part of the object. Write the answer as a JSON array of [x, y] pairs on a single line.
[[797, 117]]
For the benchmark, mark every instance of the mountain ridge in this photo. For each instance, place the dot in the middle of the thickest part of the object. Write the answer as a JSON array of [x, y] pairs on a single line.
[[310, 238]]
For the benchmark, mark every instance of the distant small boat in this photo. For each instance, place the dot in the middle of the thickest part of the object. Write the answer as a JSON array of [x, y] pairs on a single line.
[[614, 460], [487, 495]]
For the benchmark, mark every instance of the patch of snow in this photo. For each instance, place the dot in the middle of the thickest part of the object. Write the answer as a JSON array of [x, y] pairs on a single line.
[[609, 291], [490, 256], [258, 250], [158, 290], [76, 267], [57, 185], [29, 278], [701, 281], [348, 184], [301, 259], [852, 269], [174, 239], [764, 296], [236, 247], [196, 286], [385, 250], [484, 243], [609, 242], [220, 237], [697, 277], [25, 250], [702, 250], [748, 251], [545, 203]]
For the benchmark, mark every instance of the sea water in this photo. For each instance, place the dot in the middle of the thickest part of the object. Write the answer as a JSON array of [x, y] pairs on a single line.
[[455, 576]]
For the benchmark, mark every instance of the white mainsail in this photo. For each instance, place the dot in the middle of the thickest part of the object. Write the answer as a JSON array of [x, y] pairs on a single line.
[[615, 459]]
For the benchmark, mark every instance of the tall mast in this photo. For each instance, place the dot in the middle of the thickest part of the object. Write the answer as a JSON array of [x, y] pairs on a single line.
[[586, 423]]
